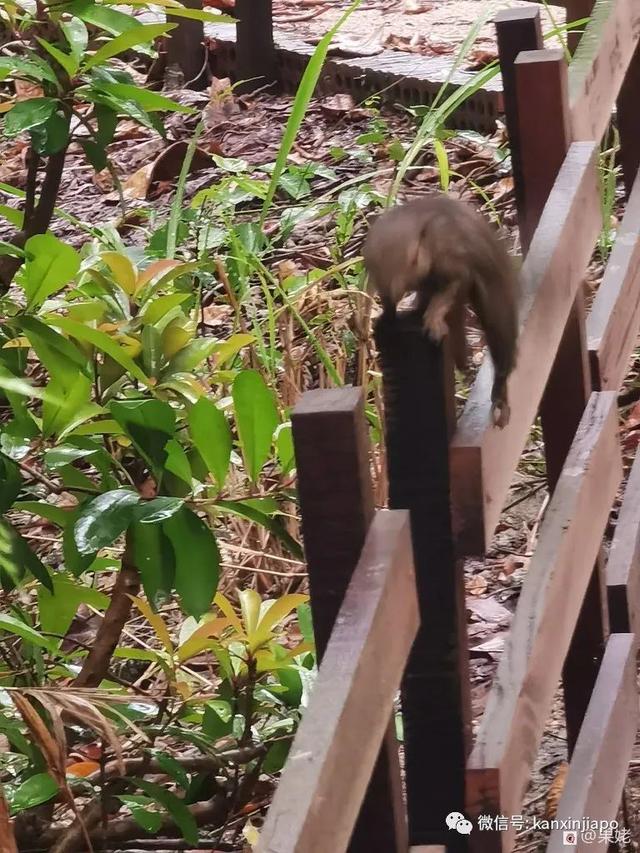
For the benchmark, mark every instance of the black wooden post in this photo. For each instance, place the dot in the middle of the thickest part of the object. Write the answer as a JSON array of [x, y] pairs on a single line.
[[336, 501], [187, 50], [255, 51], [435, 691]]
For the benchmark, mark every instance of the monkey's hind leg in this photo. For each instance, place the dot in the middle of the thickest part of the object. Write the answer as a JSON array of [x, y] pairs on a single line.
[[434, 320]]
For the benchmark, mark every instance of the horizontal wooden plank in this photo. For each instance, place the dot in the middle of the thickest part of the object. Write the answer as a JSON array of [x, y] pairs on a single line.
[[334, 751], [599, 65], [623, 565], [594, 784], [614, 319], [484, 458], [535, 649]]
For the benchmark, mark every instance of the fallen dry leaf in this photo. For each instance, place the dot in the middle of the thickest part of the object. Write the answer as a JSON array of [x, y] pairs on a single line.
[[476, 585], [338, 104], [7, 838], [415, 7], [350, 45], [555, 791]]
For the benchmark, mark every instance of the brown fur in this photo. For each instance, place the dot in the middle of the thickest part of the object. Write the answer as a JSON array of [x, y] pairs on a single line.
[[449, 255]]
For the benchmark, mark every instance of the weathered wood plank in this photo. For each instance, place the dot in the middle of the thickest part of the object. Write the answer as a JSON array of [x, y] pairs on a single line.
[[317, 800], [599, 65], [549, 605], [336, 499], [598, 768], [542, 97], [436, 705], [623, 566], [517, 30], [484, 458], [614, 319]]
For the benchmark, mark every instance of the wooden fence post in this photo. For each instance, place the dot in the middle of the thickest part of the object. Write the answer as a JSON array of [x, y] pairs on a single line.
[[517, 30], [576, 10], [336, 500], [186, 48], [435, 692], [629, 122], [255, 51], [543, 116]]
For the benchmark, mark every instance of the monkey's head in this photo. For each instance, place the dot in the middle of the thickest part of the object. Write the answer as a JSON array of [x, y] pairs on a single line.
[[396, 257]]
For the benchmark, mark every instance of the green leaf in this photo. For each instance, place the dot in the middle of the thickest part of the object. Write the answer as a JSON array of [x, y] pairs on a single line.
[[276, 756], [157, 510], [30, 68], [189, 357], [60, 356], [153, 557], [34, 791], [273, 525], [12, 625], [102, 341], [183, 818], [140, 34], [178, 462], [68, 62], [284, 447], [10, 482], [256, 418], [74, 561], [172, 768], [197, 561], [55, 514], [65, 454], [57, 610], [28, 114], [217, 721], [49, 266], [149, 821], [16, 558], [102, 520], [149, 424], [111, 20], [146, 99], [66, 402], [212, 437], [76, 35]]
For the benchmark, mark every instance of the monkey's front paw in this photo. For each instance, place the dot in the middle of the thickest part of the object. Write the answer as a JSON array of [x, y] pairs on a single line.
[[500, 413], [435, 326]]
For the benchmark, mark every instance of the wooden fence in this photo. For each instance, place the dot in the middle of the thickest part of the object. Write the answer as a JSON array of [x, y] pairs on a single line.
[[388, 588]]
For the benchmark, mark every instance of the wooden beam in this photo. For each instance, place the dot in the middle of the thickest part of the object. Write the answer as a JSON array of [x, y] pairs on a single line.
[[336, 499], [334, 751], [623, 566], [600, 761], [614, 320], [554, 587], [484, 458], [436, 704], [600, 64]]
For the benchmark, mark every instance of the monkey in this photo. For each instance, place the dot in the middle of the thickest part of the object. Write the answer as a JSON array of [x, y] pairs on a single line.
[[440, 249]]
